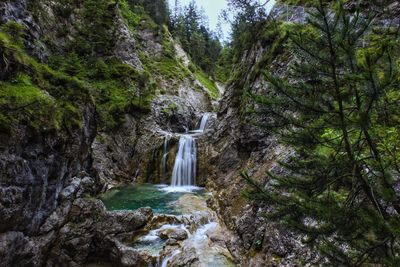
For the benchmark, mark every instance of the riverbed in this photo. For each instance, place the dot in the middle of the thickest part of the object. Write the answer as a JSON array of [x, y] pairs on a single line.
[[184, 231]]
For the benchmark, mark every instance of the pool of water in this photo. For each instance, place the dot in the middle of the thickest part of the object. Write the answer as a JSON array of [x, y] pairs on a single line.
[[160, 198]]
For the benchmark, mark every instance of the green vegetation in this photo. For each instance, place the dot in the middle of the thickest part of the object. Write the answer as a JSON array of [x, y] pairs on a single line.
[[158, 9], [337, 107], [208, 84], [188, 25], [23, 102], [82, 74], [32, 93], [170, 109], [224, 67], [82, 69]]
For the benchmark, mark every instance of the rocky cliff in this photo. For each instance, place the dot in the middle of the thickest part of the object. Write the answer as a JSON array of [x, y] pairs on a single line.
[[53, 160], [111, 119], [238, 144]]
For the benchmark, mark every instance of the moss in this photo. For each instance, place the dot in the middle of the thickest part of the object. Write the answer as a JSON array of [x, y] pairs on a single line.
[[94, 29], [81, 72], [208, 84], [170, 68], [170, 109], [132, 19], [119, 89], [32, 93], [22, 102]]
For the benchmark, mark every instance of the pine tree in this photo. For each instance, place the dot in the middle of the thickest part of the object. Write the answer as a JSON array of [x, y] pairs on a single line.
[[190, 28], [338, 108]]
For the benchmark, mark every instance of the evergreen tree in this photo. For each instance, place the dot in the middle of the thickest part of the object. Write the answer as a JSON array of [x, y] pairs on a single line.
[[157, 9], [338, 108], [248, 23], [202, 45]]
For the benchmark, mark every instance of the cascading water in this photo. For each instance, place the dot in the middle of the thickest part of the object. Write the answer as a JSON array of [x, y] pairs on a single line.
[[203, 122], [184, 172], [167, 138]]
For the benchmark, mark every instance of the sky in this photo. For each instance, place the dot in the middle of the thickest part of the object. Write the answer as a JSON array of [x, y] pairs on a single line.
[[213, 9]]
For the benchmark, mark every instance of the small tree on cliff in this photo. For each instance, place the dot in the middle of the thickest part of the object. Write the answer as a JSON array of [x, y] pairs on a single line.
[[338, 108]]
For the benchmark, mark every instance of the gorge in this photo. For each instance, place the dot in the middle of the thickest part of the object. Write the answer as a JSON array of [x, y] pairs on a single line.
[[131, 135]]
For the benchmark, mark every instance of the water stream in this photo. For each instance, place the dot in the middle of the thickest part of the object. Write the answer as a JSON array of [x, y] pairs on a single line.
[[184, 172], [167, 138], [184, 229]]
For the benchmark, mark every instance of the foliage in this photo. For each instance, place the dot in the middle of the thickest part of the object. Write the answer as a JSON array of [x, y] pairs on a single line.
[[338, 109], [20, 101], [74, 77], [83, 71], [157, 9], [223, 67], [203, 46], [208, 84], [120, 89], [169, 110], [96, 31]]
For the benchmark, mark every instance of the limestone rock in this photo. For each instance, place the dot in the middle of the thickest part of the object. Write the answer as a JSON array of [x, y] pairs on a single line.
[[176, 234], [125, 48]]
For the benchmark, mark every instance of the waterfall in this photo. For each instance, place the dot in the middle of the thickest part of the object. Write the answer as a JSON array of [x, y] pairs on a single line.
[[184, 172], [203, 122], [167, 138]]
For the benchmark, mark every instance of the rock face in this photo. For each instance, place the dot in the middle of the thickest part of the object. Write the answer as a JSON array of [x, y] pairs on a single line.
[[77, 232], [125, 48], [237, 145], [93, 234], [47, 177], [17, 11], [35, 167], [134, 153]]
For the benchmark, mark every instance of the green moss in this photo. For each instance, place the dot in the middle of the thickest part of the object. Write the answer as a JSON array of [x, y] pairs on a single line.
[[170, 68], [170, 109], [22, 102], [136, 17], [208, 84], [132, 19], [83, 72], [166, 65], [119, 89]]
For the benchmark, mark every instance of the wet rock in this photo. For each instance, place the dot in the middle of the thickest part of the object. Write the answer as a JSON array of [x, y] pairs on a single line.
[[173, 114], [176, 234], [95, 233], [161, 219], [171, 242], [88, 185], [68, 193], [11, 241], [126, 256], [188, 257], [112, 153], [127, 220]]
